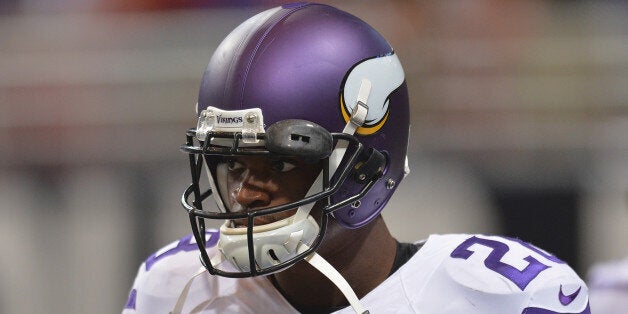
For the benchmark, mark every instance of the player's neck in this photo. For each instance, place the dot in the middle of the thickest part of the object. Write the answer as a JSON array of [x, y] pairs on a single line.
[[364, 258]]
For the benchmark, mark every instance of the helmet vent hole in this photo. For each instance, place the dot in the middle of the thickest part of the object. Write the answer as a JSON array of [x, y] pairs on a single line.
[[356, 204], [272, 255], [298, 137]]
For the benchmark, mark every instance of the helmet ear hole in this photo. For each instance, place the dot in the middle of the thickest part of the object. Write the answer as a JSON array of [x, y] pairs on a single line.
[[299, 138]]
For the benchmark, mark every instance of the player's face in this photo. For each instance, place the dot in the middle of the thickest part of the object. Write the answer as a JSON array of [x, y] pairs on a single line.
[[256, 182]]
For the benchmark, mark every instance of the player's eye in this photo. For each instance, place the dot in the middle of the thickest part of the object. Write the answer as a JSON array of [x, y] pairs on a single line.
[[282, 165], [234, 165]]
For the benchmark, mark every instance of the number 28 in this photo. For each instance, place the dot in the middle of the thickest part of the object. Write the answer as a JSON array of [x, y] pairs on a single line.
[[521, 278]]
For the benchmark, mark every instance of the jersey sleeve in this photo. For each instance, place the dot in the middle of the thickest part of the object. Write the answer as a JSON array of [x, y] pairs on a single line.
[[493, 274], [163, 276]]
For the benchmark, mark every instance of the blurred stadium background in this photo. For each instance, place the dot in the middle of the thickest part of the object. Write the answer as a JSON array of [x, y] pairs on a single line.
[[519, 126]]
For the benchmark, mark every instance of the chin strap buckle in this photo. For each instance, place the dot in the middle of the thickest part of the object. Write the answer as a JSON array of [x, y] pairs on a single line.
[[360, 110], [358, 116], [372, 168]]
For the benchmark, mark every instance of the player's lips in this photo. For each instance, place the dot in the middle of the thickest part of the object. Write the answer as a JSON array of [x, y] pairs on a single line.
[[259, 221]]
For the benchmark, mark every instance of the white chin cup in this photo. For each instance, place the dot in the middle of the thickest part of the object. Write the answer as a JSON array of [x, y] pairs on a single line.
[[273, 243]]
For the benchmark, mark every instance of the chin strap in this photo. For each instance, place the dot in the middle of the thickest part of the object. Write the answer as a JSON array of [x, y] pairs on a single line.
[[178, 307], [358, 116], [356, 120], [314, 259], [332, 274]]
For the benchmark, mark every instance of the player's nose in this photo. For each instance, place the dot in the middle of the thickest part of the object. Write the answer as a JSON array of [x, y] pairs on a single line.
[[252, 196], [256, 185]]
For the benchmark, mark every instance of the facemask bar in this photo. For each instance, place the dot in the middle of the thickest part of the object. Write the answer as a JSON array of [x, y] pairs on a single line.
[[197, 214]]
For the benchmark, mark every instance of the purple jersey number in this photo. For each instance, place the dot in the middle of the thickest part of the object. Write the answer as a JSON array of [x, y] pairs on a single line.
[[521, 278], [186, 245]]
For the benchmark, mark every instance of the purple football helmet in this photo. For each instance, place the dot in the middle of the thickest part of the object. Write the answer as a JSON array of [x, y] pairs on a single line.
[[305, 80]]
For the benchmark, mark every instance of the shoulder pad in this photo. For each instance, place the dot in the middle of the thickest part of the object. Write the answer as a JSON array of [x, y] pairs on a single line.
[[502, 274]]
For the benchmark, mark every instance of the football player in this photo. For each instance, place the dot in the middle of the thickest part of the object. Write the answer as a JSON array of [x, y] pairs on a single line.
[[302, 130]]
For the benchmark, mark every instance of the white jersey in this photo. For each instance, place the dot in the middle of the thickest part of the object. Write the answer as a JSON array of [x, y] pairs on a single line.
[[455, 273], [609, 287]]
